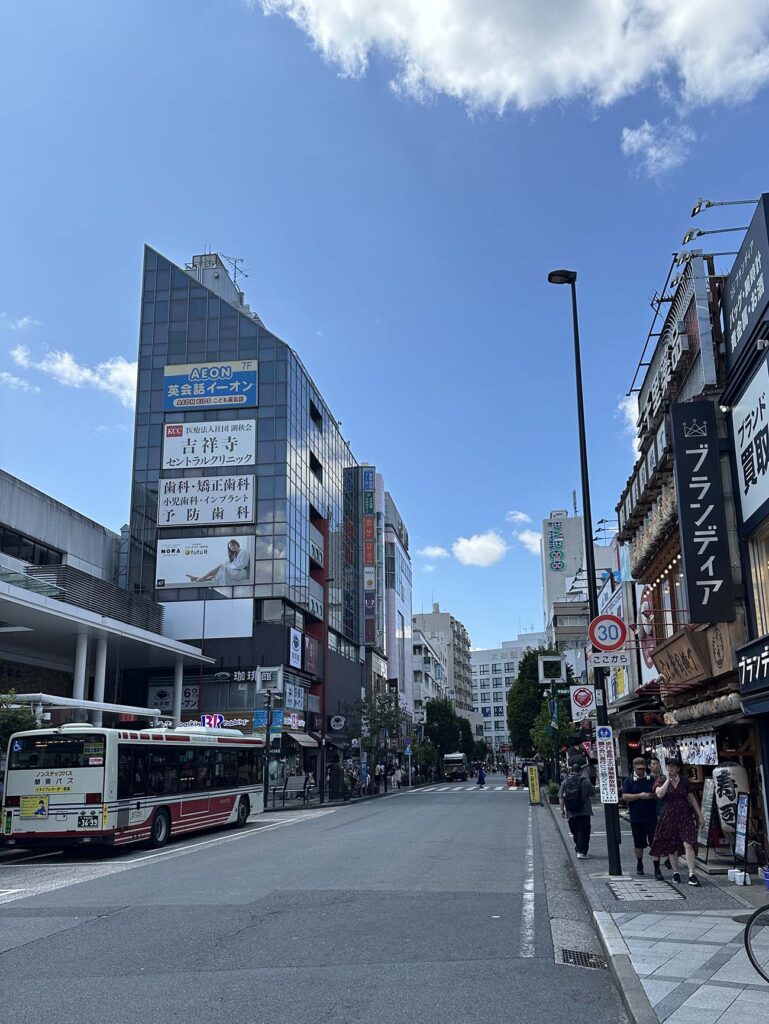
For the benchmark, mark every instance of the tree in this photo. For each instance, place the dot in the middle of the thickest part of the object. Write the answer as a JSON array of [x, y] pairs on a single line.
[[481, 750], [542, 739], [467, 740], [425, 754], [442, 726], [380, 717], [525, 701], [12, 720]]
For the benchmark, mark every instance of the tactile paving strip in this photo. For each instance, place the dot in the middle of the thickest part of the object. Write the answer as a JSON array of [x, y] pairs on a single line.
[[641, 889]]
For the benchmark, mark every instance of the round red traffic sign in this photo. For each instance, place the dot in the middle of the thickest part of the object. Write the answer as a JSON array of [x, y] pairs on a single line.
[[607, 632]]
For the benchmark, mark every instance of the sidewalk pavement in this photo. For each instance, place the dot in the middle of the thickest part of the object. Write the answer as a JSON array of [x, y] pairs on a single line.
[[683, 962]]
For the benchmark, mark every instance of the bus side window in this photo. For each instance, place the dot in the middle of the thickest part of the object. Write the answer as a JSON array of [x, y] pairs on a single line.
[[139, 773], [124, 764], [187, 771]]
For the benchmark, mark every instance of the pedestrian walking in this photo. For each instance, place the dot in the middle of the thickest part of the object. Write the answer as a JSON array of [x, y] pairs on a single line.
[[655, 771], [676, 833], [638, 793], [397, 777], [574, 798], [481, 777]]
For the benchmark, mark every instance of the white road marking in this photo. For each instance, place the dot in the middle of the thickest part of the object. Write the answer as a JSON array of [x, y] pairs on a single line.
[[527, 908], [456, 789], [497, 788], [114, 867]]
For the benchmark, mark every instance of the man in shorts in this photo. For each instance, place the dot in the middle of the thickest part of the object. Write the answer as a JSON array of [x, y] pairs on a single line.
[[638, 794]]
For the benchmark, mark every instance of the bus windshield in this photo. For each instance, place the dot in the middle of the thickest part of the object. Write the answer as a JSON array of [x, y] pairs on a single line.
[[48, 752]]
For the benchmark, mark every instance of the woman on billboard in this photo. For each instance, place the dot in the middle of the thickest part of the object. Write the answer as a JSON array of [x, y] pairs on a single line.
[[235, 570]]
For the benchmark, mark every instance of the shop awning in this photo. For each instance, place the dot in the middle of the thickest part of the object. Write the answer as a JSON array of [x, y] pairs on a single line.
[[756, 705], [690, 728], [302, 738], [331, 741]]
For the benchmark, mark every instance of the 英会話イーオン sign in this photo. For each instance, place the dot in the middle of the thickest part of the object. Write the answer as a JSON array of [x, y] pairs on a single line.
[[211, 385]]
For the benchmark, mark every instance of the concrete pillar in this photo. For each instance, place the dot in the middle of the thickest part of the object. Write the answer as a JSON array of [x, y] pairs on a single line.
[[81, 664], [178, 684], [99, 674]]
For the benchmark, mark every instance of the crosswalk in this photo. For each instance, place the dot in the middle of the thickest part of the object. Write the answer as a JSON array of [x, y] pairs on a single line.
[[465, 788]]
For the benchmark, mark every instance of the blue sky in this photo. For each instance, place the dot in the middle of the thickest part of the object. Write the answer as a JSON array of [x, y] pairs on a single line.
[[398, 200]]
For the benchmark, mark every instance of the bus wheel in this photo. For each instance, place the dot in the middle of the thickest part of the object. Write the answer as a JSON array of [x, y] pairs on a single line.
[[161, 828], [244, 809]]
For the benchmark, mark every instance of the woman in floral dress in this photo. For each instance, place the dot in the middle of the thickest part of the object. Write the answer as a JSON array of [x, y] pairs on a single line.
[[676, 832]]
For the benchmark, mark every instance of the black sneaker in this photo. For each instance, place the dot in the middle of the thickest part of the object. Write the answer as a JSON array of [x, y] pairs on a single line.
[[658, 876], [676, 877], [693, 880], [639, 869]]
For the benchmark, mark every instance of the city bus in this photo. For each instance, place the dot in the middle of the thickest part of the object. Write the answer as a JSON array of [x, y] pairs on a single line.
[[78, 784]]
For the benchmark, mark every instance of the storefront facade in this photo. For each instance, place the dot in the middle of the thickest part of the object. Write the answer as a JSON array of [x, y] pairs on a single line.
[[677, 517], [745, 303]]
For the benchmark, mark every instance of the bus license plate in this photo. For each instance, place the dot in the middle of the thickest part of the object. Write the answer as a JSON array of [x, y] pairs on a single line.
[[87, 821]]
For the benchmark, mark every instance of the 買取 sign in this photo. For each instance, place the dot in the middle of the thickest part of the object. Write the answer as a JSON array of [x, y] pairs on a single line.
[[206, 501], [750, 429], [607, 766], [204, 445], [211, 385]]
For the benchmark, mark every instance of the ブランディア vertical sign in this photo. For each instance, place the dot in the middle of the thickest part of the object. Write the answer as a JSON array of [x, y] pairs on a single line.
[[701, 515]]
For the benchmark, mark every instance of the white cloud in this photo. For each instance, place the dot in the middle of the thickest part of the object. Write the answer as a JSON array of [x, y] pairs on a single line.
[[517, 517], [530, 540], [433, 552], [499, 54], [9, 380], [21, 323], [482, 549], [627, 410], [116, 376], [428, 568], [658, 148]]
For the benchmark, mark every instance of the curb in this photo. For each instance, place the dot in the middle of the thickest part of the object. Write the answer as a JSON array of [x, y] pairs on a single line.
[[632, 992], [343, 803]]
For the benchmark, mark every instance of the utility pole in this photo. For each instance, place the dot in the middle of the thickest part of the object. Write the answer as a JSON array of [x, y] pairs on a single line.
[[611, 811], [267, 744]]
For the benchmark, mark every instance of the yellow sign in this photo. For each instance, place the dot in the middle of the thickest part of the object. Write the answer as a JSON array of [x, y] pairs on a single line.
[[535, 796], [33, 807], [53, 789]]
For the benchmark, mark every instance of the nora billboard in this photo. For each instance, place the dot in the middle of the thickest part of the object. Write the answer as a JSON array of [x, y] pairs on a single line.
[[204, 562]]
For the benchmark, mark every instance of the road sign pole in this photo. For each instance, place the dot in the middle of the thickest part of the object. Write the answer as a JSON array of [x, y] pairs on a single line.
[[611, 811]]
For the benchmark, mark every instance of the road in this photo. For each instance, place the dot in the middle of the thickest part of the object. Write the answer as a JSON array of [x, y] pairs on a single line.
[[427, 906]]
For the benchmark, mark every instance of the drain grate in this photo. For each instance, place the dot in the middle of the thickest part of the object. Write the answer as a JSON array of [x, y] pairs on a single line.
[[579, 958], [640, 890]]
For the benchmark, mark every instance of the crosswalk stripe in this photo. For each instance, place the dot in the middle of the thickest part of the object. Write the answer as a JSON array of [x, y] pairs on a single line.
[[497, 788], [457, 788]]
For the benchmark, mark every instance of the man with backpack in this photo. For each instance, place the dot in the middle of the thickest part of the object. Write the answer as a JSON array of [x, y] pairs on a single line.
[[574, 798]]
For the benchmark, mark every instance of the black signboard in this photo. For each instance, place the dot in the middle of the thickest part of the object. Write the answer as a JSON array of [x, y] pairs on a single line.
[[746, 292], [753, 666], [701, 516]]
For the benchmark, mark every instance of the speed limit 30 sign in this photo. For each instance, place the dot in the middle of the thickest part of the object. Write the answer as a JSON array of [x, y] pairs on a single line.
[[607, 632]]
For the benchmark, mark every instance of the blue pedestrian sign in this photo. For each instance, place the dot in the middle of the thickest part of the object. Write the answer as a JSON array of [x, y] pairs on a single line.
[[604, 732]]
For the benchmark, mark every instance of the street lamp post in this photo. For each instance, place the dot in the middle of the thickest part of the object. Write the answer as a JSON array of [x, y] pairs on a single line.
[[611, 811]]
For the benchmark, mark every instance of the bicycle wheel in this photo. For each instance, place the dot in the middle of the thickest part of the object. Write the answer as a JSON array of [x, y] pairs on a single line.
[[757, 941]]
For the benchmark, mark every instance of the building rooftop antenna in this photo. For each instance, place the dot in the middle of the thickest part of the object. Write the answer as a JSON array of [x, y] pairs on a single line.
[[234, 263]]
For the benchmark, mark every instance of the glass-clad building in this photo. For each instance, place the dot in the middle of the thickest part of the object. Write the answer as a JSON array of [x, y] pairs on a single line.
[[238, 518]]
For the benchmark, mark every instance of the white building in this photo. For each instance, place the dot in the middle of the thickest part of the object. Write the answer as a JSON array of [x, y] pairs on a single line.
[[429, 672], [494, 672]]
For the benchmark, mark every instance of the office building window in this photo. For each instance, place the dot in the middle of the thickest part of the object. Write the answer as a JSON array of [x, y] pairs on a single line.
[[499, 711], [496, 670], [497, 695], [484, 670], [509, 666], [486, 696]]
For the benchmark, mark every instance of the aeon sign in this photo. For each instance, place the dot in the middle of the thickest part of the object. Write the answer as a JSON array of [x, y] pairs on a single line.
[[555, 546]]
